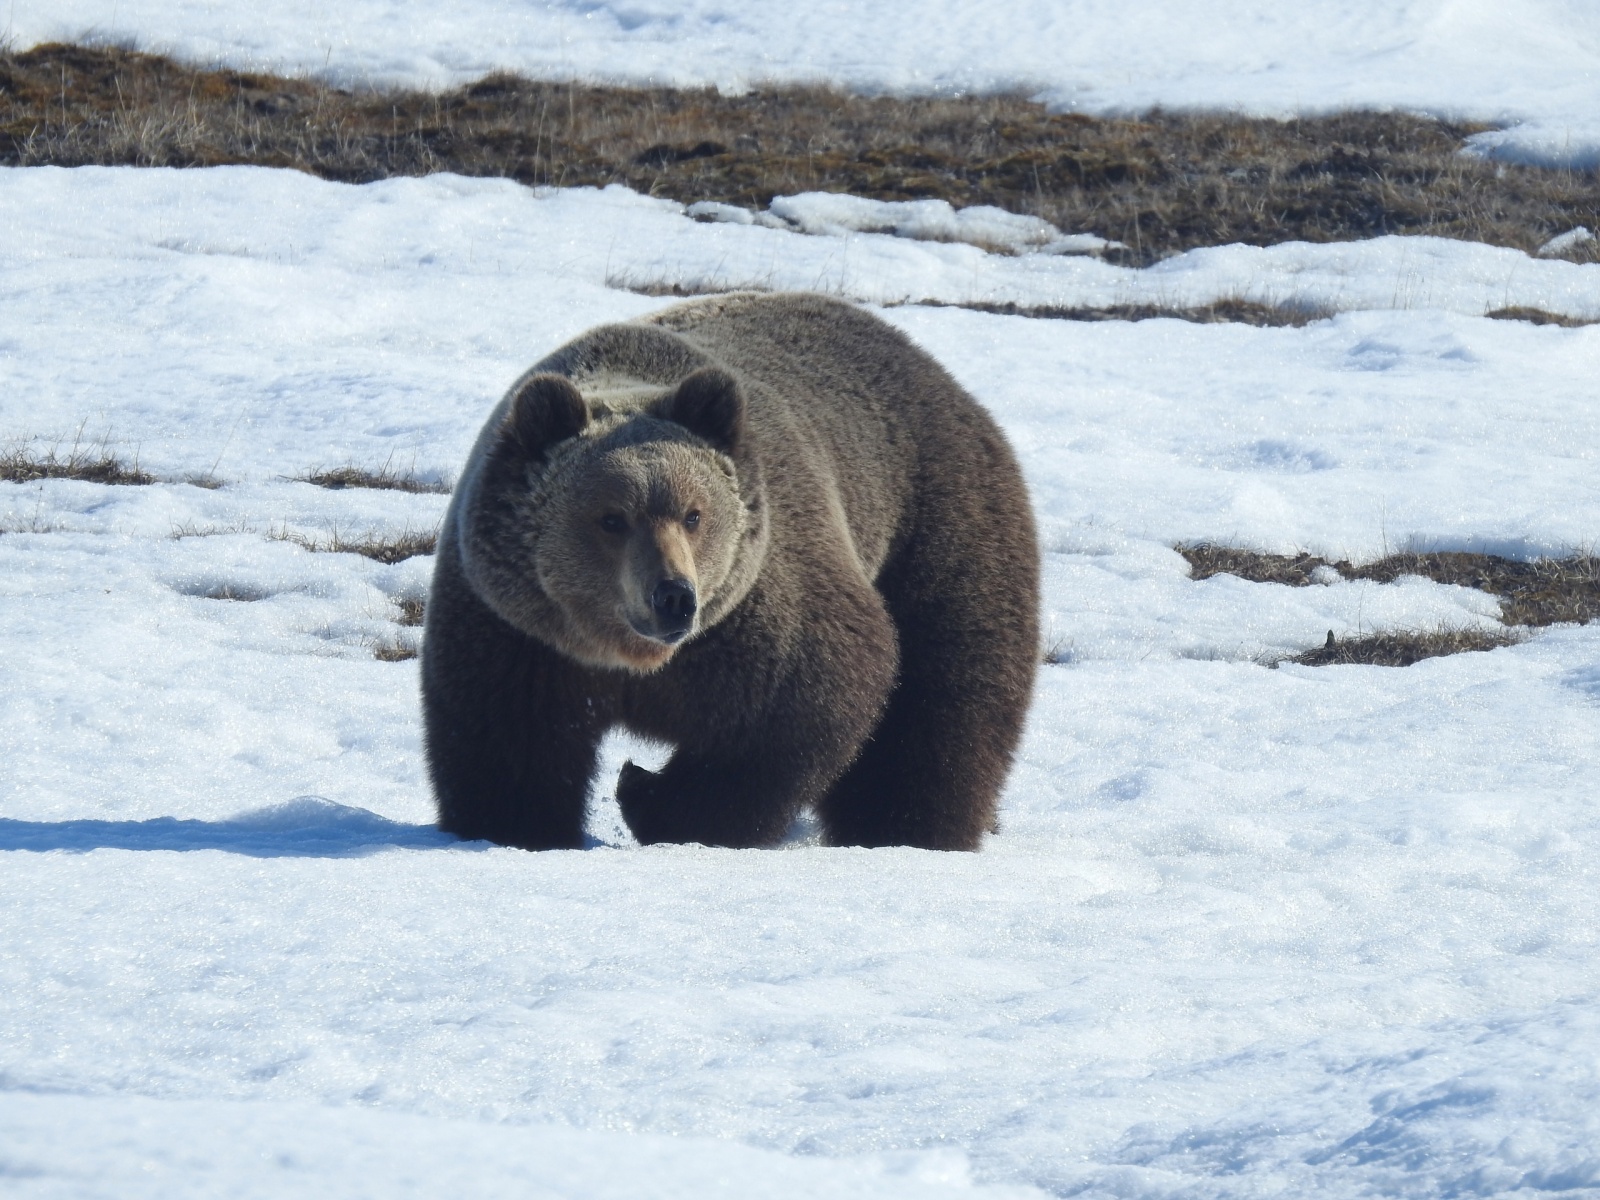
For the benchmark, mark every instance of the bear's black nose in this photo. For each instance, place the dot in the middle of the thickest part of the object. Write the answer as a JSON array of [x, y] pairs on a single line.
[[673, 602]]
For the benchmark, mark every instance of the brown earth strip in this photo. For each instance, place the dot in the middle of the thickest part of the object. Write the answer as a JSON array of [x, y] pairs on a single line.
[[1538, 316], [411, 610], [1403, 648], [1232, 311], [1161, 182]]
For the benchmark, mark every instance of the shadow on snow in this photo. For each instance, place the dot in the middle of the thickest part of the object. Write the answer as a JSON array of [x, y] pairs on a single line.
[[306, 827]]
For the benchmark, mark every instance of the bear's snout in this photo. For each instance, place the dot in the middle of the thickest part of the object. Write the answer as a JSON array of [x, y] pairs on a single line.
[[673, 605]]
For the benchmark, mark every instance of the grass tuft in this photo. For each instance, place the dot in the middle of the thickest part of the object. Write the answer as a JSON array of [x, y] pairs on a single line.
[[1402, 648], [1160, 182], [188, 529], [385, 478], [393, 650], [411, 610], [384, 548], [1226, 311], [92, 466], [1539, 316]]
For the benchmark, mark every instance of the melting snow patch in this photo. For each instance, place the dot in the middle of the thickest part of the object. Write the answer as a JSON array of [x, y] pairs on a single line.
[[1573, 144], [983, 225], [1562, 243]]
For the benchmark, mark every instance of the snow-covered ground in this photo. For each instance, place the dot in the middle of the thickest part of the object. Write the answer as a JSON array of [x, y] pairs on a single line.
[[1244, 932], [1534, 64]]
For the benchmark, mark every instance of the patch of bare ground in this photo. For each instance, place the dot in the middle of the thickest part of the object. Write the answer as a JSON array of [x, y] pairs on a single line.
[[393, 650], [96, 465], [411, 610], [384, 478], [1230, 311], [1532, 593], [384, 548], [1161, 182], [1402, 648], [1538, 316]]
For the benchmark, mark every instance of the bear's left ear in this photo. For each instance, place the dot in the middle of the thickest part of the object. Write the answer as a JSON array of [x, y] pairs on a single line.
[[547, 409], [708, 404]]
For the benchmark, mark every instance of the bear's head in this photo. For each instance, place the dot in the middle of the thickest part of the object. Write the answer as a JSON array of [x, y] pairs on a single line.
[[615, 532]]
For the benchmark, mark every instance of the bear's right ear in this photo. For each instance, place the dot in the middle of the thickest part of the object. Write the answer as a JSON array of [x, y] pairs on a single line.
[[547, 409], [710, 404]]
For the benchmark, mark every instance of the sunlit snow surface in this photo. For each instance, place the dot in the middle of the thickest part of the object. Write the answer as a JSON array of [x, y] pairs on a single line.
[[1244, 932]]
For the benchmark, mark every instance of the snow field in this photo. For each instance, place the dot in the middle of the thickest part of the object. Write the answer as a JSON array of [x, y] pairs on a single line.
[[1244, 930], [1533, 64]]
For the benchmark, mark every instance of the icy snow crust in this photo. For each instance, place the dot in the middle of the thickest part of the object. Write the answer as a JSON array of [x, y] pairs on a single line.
[[1535, 64], [1244, 932]]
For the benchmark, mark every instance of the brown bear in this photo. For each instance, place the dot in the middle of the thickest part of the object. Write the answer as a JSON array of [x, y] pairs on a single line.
[[765, 529]]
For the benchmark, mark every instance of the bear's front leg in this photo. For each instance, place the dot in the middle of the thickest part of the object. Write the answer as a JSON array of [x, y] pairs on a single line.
[[778, 748], [715, 802], [511, 735]]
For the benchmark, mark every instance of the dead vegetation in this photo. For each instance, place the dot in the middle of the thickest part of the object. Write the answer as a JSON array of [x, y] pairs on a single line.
[[1403, 647], [1538, 316], [411, 610], [1160, 183], [95, 465], [393, 650], [385, 478], [1229, 311], [384, 548]]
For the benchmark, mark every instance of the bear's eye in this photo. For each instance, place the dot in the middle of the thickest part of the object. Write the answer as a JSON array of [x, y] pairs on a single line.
[[613, 523], [692, 521]]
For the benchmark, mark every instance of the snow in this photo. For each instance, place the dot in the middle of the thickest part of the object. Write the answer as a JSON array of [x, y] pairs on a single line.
[[831, 214], [1534, 65], [134, 1148], [1244, 931]]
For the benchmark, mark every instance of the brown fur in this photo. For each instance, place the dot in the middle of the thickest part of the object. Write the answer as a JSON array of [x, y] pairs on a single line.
[[863, 557]]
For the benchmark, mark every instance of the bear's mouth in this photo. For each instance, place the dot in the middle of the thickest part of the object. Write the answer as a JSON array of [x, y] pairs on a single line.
[[665, 637]]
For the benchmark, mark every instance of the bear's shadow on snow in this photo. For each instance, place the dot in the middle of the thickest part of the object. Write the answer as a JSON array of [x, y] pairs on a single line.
[[306, 827]]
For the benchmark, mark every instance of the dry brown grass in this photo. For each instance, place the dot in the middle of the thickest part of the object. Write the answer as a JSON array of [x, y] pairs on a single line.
[[384, 548], [393, 650], [1161, 183], [384, 478], [1230, 311], [411, 610], [1538, 316], [96, 465], [1401, 649]]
